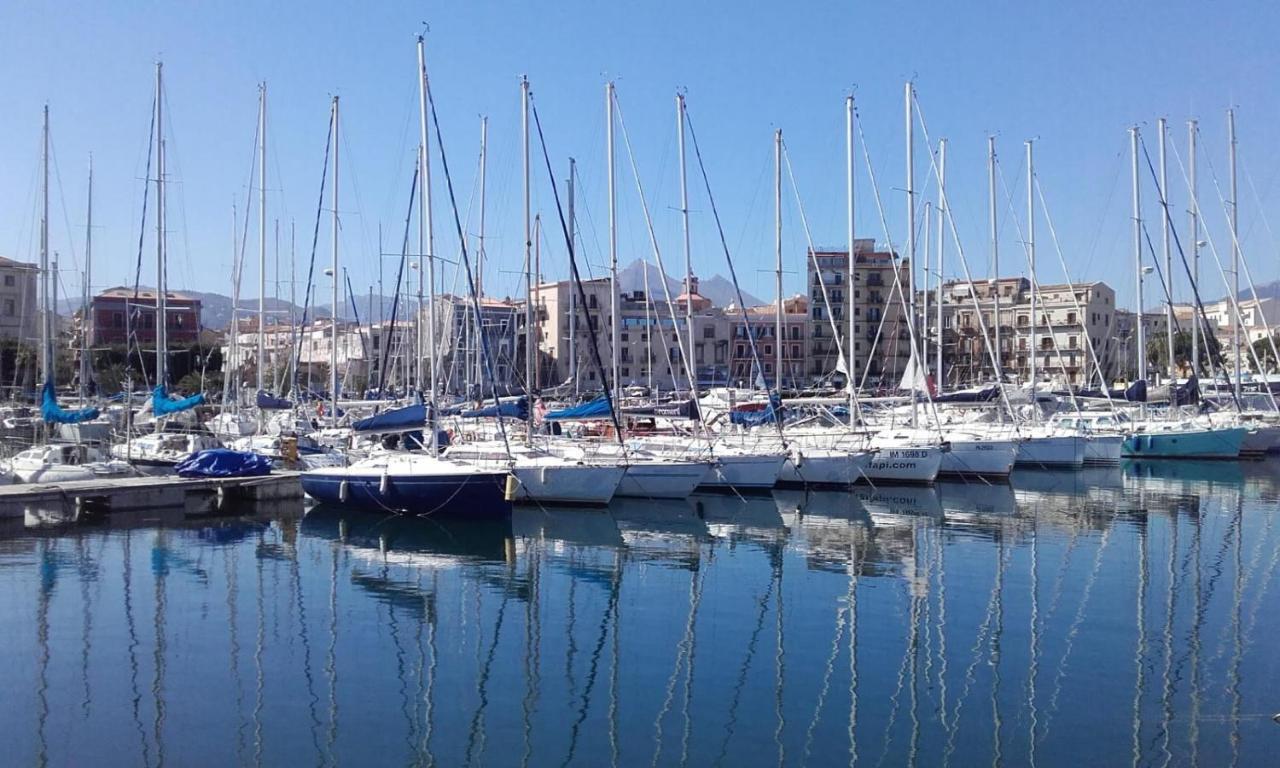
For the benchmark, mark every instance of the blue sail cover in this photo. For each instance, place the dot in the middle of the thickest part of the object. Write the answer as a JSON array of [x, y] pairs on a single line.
[[405, 419], [514, 409], [55, 414], [161, 405], [268, 402], [221, 462], [596, 409]]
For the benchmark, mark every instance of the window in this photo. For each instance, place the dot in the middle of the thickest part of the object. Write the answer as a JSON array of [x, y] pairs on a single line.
[[1071, 318], [9, 309], [795, 350], [591, 302], [624, 336], [709, 332], [8, 281], [1074, 342], [795, 333]]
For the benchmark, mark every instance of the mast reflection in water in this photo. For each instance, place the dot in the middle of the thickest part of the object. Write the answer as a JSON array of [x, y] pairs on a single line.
[[1097, 617]]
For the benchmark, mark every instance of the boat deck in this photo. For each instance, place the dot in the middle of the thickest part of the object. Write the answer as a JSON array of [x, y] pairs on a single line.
[[54, 503]]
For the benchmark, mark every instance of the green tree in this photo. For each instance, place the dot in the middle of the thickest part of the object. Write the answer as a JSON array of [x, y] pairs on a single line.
[[1265, 350], [1158, 355]]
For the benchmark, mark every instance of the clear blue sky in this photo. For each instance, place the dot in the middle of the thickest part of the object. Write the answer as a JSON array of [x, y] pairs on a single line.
[[1073, 75]]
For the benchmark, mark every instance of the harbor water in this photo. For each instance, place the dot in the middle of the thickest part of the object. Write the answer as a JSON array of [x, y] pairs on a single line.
[[1119, 616]]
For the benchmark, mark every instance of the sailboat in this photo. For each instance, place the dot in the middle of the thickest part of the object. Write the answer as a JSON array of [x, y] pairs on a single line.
[[417, 482], [161, 451], [57, 462]]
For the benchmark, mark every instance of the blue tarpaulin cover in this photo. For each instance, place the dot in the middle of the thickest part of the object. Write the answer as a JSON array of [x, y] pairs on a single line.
[[404, 419], [269, 402], [596, 409], [766, 415], [161, 405], [221, 462], [54, 413]]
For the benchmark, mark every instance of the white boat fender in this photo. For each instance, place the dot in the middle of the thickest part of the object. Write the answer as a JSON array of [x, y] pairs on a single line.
[[513, 485], [383, 483], [342, 491]]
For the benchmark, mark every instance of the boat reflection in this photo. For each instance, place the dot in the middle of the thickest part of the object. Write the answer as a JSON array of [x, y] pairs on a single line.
[[964, 623]]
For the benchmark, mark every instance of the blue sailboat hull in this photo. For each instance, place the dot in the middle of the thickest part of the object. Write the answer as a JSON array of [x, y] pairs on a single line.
[[464, 495], [1196, 444]]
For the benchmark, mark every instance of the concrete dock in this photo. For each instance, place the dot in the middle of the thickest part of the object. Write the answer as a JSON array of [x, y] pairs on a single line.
[[60, 503]]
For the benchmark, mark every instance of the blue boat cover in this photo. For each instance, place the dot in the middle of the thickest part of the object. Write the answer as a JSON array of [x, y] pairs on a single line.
[[269, 402], [405, 419], [161, 405], [767, 415], [1134, 393], [596, 409], [54, 413], [221, 462], [515, 409]]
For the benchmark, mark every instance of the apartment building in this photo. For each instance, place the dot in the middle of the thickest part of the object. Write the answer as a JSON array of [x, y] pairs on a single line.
[[1070, 319], [881, 346], [19, 299]]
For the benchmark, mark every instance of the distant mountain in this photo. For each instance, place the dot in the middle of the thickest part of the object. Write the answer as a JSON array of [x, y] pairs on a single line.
[[632, 278], [1269, 290], [718, 289]]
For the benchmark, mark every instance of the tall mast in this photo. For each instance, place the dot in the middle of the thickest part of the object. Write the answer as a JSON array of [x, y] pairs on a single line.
[[262, 234], [942, 241], [530, 346], [1031, 266], [333, 346], [911, 233], [232, 383], [293, 301], [1165, 224], [1193, 213], [1137, 254], [614, 296], [86, 292], [688, 253], [477, 344], [995, 245], [46, 319], [1235, 246], [424, 197], [777, 244], [573, 294], [849, 289], [162, 300]]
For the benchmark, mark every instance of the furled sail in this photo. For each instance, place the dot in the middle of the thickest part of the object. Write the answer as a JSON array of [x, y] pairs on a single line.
[[161, 405], [55, 414]]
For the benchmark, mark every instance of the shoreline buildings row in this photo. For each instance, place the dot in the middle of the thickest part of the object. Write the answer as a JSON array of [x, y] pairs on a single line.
[[1079, 333]]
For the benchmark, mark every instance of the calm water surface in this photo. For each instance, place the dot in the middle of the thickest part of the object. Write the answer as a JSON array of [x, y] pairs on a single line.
[[1115, 617]]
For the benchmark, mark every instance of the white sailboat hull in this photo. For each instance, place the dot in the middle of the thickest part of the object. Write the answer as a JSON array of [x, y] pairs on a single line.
[[1103, 449], [908, 464], [823, 467], [567, 483], [992, 458], [744, 472], [662, 479], [1052, 451]]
